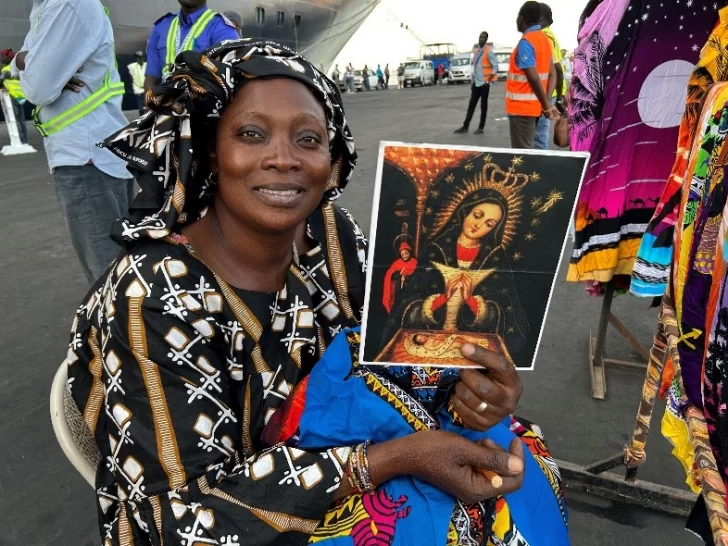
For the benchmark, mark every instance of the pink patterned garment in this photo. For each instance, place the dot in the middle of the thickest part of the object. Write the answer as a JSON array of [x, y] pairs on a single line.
[[587, 80]]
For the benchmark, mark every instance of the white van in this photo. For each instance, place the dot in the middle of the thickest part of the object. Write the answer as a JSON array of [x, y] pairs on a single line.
[[504, 60], [419, 73], [461, 68]]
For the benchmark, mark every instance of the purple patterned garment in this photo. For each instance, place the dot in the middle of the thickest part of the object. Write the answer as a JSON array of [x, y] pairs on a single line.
[[645, 70]]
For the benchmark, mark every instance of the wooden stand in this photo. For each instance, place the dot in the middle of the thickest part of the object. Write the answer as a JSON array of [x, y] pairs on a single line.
[[597, 360]]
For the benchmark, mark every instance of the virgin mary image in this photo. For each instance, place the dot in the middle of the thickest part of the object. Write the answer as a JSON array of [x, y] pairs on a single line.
[[463, 282]]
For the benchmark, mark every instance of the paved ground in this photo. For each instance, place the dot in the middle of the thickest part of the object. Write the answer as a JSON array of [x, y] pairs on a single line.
[[43, 501]]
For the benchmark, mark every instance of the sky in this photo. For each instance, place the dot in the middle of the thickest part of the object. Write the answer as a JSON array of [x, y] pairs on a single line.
[[381, 40]]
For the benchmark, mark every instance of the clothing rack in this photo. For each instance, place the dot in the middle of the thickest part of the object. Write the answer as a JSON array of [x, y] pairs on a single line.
[[596, 478], [597, 359]]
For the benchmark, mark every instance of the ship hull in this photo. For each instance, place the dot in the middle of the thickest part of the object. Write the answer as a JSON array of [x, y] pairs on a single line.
[[317, 28]]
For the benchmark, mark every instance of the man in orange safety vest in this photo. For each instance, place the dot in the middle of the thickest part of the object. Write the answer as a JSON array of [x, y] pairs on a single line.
[[531, 78], [484, 70]]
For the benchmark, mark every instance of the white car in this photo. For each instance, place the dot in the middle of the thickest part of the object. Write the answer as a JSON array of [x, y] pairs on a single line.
[[461, 68], [359, 80]]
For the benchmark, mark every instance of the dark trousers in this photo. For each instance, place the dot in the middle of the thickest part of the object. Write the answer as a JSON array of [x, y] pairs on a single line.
[[140, 103], [19, 112], [478, 94], [523, 131]]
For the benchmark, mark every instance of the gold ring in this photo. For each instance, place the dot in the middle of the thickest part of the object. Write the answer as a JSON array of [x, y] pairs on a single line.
[[482, 407]]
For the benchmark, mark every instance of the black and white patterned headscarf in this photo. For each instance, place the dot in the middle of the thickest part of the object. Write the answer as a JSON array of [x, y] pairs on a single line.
[[168, 157]]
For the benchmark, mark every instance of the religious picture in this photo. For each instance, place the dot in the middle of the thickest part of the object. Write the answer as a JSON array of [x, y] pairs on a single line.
[[465, 247]]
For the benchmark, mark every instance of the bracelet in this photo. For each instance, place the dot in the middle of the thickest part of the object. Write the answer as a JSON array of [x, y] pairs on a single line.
[[357, 470]]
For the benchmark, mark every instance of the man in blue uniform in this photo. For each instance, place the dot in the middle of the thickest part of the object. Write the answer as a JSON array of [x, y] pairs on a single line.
[[196, 27]]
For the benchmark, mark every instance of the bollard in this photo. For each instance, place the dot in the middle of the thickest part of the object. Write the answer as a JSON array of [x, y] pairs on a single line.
[[16, 147]]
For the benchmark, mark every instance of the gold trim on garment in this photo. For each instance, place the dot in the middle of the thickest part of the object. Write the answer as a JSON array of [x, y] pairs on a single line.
[[167, 447]]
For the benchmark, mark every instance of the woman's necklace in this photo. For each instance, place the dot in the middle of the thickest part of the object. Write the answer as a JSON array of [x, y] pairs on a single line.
[[476, 245]]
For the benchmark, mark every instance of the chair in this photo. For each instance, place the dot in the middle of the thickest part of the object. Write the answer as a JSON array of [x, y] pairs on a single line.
[[71, 430]]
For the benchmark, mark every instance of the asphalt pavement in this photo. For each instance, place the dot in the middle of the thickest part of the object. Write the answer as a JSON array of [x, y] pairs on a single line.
[[43, 501]]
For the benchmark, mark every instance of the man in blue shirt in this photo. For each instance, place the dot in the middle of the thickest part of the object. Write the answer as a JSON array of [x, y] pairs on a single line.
[[68, 55], [193, 28], [484, 71]]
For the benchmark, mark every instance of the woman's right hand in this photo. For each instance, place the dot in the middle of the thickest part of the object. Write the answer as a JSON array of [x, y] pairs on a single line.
[[454, 464]]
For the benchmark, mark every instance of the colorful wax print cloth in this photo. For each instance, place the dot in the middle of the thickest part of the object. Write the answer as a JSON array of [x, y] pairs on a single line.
[[652, 267], [343, 402], [177, 373], [715, 379], [695, 241], [645, 71]]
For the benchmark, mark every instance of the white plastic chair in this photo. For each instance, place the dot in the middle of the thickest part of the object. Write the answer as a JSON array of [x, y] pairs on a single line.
[[71, 430]]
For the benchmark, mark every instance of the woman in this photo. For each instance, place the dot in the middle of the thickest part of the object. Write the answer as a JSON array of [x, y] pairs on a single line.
[[237, 273], [442, 298]]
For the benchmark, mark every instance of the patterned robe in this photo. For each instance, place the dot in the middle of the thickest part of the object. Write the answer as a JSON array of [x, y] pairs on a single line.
[[177, 374]]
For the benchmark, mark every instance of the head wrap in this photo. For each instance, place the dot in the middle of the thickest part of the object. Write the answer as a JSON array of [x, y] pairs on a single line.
[[166, 147]]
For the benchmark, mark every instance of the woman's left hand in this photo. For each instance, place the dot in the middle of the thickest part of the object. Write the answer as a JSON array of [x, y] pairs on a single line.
[[483, 398]]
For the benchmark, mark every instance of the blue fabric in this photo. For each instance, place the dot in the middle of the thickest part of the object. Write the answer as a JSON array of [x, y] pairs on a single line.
[[543, 131], [65, 36], [216, 31], [341, 410], [659, 260], [526, 54]]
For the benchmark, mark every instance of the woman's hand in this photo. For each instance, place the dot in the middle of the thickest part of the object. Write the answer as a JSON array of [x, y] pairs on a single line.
[[467, 287], [452, 287], [455, 465], [483, 398]]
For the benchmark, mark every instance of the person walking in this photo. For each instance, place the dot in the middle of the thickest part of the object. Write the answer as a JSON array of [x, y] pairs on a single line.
[[349, 78], [365, 76], [386, 76], [485, 68], [531, 75], [400, 76], [12, 86], [68, 70], [137, 71], [568, 68], [543, 129], [380, 77], [336, 75], [196, 27]]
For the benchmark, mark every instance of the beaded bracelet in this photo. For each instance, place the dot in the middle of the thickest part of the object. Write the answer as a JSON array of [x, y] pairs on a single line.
[[357, 470]]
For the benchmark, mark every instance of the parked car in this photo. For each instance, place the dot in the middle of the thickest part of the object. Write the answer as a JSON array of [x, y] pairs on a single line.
[[359, 79], [461, 68], [419, 73]]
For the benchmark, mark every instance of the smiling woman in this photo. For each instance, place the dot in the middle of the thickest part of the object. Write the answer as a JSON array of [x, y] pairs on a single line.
[[238, 273]]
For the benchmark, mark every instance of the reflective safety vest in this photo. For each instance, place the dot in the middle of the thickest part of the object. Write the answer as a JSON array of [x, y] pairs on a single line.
[[13, 86], [108, 90], [520, 98], [490, 72], [173, 38]]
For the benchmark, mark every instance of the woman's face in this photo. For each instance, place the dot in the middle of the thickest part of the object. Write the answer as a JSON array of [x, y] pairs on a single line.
[[482, 220], [272, 155]]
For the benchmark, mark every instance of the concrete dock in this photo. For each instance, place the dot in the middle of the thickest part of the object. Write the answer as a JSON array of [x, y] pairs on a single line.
[[43, 501]]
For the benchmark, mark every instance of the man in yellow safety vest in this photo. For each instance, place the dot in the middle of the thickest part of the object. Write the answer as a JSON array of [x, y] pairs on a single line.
[[543, 128], [137, 71], [67, 68], [12, 85], [196, 27]]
